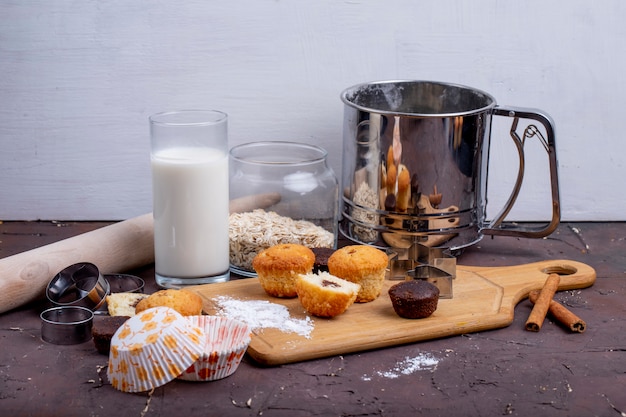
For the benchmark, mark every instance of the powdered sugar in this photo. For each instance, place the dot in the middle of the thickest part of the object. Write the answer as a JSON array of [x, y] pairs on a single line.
[[407, 366], [260, 314]]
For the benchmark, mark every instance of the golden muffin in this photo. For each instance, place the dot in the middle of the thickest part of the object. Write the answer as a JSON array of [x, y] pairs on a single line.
[[186, 303], [278, 268], [325, 295], [362, 264]]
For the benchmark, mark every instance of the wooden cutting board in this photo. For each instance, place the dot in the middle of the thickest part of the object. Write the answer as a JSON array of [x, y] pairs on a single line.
[[483, 298]]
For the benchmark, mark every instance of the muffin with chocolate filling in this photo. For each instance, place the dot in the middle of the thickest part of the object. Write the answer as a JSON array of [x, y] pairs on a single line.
[[325, 295], [124, 303]]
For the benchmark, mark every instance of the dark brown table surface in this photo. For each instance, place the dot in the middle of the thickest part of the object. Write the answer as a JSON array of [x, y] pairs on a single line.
[[507, 371]]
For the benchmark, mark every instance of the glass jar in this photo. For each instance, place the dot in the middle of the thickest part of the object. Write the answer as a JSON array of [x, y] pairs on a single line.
[[280, 192]]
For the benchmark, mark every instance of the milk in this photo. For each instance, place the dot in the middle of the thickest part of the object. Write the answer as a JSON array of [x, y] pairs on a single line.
[[190, 192]]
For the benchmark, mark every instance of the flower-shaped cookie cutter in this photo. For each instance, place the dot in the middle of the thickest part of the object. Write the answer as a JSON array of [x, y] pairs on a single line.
[[436, 265]]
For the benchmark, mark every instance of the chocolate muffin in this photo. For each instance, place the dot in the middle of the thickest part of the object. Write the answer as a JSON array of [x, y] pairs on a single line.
[[321, 259], [104, 327], [415, 299]]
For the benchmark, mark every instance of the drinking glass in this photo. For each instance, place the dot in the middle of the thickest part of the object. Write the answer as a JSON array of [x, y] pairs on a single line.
[[189, 157]]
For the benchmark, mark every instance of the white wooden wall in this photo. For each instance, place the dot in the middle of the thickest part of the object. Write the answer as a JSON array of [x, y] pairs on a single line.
[[78, 80]]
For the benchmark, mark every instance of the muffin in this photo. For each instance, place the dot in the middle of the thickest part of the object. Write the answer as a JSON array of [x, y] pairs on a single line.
[[104, 327], [186, 303], [123, 303], [363, 265], [278, 268], [325, 295], [415, 299], [321, 259]]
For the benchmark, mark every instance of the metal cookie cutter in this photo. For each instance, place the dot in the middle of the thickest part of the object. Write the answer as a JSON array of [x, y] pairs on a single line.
[[433, 264], [67, 325], [124, 283], [80, 284]]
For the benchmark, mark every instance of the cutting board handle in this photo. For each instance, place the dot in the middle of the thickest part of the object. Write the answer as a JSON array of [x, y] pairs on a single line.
[[519, 280]]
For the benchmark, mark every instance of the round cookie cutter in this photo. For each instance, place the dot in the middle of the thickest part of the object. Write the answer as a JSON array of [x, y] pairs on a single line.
[[80, 285], [124, 283], [67, 325]]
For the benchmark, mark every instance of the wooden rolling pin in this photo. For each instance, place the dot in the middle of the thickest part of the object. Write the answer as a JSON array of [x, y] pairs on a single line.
[[115, 248]]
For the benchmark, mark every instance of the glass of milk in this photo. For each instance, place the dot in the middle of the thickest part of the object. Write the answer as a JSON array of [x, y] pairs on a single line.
[[189, 156]]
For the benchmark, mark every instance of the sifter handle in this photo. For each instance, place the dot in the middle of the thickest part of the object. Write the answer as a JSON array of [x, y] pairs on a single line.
[[496, 226]]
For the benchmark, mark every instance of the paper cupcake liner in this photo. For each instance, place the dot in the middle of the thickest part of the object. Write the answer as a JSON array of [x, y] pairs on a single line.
[[152, 348], [226, 344]]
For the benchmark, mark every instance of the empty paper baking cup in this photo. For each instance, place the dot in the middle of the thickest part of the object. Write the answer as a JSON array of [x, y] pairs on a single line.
[[80, 285], [67, 325], [152, 348], [124, 283], [226, 343]]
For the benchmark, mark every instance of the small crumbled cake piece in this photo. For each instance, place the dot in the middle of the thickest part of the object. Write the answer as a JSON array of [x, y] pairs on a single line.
[[279, 266], [325, 295], [123, 303]]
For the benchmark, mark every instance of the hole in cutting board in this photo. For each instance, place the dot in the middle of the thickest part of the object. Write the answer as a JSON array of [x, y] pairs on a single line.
[[560, 270]]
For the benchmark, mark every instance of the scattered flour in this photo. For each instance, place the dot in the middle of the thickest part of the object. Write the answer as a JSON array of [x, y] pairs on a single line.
[[407, 366], [260, 314]]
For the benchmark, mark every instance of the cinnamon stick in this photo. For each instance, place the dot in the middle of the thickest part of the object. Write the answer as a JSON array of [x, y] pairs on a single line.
[[542, 304], [562, 314]]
